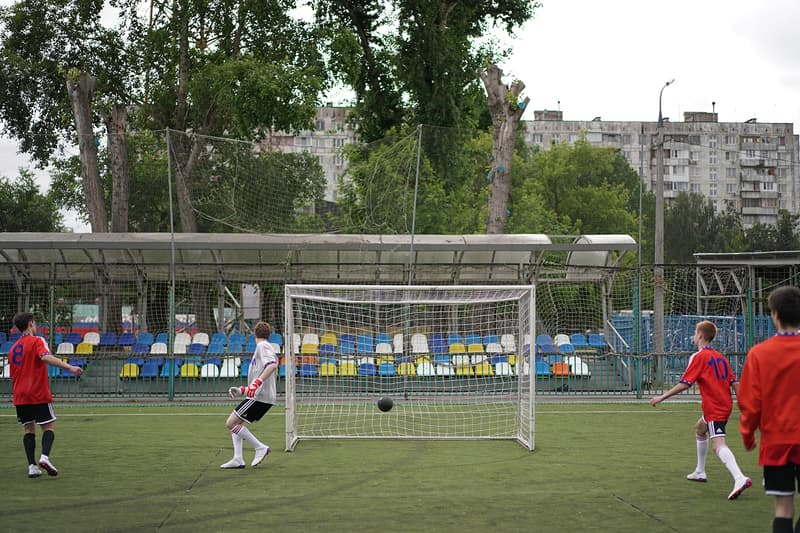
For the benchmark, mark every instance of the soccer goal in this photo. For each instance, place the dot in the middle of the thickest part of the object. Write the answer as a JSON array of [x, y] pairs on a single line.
[[454, 360]]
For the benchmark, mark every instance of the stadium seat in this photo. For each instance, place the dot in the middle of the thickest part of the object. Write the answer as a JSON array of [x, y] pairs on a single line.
[[139, 361], [108, 339], [542, 368], [209, 370], [596, 341], [365, 343], [189, 371], [348, 368], [387, 370], [441, 359], [484, 368], [84, 348], [276, 338], [165, 369], [200, 338], [489, 339], [472, 338], [6, 346], [310, 338], [140, 349], [78, 361], [215, 348], [54, 371], [64, 373], [543, 338], [250, 346], [297, 341], [383, 338], [244, 368], [502, 369], [384, 352], [3, 337], [455, 338], [407, 369], [92, 337], [560, 339], [307, 371], [426, 369], [183, 338], [445, 369], [577, 366], [235, 347], [309, 349], [65, 348], [158, 348], [196, 348], [237, 338], [229, 367], [508, 342], [327, 369], [438, 345], [545, 349], [145, 337], [150, 369], [126, 339], [566, 348], [129, 371], [329, 338], [578, 340], [73, 338], [179, 347], [457, 347], [7, 371], [559, 369], [397, 342], [162, 337], [463, 366], [218, 338]]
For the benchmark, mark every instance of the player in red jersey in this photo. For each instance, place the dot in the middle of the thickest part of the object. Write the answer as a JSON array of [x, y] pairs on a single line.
[[29, 357], [715, 379], [769, 399]]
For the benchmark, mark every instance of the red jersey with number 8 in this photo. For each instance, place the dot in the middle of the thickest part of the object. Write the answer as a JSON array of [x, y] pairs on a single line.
[[714, 377], [29, 372]]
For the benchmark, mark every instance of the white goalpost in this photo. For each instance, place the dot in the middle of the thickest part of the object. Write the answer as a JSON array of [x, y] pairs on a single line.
[[455, 361]]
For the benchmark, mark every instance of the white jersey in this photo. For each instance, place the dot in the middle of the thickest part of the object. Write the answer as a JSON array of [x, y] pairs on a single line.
[[264, 355]]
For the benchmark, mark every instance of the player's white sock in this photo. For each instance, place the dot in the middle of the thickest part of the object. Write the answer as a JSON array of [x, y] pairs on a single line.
[[726, 456], [244, 433], [237, 446], [702, 451]]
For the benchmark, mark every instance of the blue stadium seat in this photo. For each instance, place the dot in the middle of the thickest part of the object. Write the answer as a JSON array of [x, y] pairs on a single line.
[[4, 337], [544, 338], [347, 338], [455, 338], [276, 338], [14, 337], [145, 338], [108, 339], [235, 347], [387, 369], [307, 371], [215, 348], [367, 369], [139, 348], [542, 368], [489, 339], [150, 369], [162, 337], [196, 349], [596, 341], [126, 339], [365, 343], [347, 348], [73, 338], [472, 338], [383, 338], [218, 338], [176, 369], [578, 340], [244, 368], [237, 338], [5, 347]]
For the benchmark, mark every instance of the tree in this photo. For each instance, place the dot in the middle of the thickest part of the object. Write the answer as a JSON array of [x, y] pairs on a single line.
[[61, 44], [24, 208], [506, 111]]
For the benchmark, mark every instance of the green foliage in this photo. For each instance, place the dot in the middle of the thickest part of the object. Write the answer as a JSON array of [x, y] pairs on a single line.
[[24, 208]]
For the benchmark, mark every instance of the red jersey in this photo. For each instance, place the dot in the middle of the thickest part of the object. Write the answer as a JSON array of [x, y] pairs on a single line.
[[769, 398], [714, 377], [29, 372]]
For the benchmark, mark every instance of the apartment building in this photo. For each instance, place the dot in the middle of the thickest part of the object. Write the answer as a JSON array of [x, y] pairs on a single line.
[[750, 166], [330, 135]]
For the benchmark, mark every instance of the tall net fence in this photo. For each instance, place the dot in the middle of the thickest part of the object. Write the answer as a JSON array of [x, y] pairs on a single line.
[[594, 335]]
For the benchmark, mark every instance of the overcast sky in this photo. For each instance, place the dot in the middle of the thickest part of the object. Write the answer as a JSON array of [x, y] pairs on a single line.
[[610, 59]]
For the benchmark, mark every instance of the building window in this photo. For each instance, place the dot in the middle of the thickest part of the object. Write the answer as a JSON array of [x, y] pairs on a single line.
[[767, 186], [730, 172], [537, 137], [320, 125], [712, 141], [769, 202], [781, 141], [730, 156], [338, 142], [679, 170], [573, 137], [695, 187], [712, 157], [338, 160], [626, 138], [694, 156], [712, 189], [694, 172], [712, 174], [731, 188], [730, 139]]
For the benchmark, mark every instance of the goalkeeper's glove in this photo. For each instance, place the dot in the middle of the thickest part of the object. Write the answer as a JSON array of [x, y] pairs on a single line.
[[250, 392], [233, 391]]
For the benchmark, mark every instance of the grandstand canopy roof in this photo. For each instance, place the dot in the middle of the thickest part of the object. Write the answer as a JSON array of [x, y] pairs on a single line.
[[777, 258], [310, 253]]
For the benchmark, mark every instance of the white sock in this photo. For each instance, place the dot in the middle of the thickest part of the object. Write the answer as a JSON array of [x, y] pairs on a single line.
[[237, 446], [244, 433], [702, 451], [726, 456]]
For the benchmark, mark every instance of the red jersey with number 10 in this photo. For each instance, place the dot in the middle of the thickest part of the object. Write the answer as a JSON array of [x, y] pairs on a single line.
[[29, 372], [714, 377]]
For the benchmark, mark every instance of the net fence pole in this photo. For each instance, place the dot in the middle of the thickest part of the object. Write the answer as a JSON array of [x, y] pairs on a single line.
[[171, 298]]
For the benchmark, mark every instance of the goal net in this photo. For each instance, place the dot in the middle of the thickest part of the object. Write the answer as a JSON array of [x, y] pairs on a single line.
[[454, 360]]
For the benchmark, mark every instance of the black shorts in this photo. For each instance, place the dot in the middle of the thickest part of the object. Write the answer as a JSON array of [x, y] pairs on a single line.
[[251, 410], [782, 480], [41, 413], [715, 428]]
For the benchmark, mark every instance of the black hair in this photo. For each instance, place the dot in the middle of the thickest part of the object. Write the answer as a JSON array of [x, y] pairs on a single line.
[[21, 320], [785, 301]]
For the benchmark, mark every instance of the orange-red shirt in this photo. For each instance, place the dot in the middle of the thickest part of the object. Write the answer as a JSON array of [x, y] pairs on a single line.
[[28, 371], [714, 376], [769, 398]]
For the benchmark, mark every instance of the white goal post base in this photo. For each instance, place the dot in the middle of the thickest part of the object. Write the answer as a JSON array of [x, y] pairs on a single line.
[[454, 360]]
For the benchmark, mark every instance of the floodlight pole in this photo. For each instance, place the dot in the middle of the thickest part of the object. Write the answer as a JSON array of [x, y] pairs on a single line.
[[658, 266]]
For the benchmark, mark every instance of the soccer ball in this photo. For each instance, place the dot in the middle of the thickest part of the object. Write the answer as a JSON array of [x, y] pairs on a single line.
[[385, 404]]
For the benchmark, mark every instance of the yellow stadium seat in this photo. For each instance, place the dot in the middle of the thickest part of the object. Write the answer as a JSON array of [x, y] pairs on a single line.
[[84, 348], [189, 370], [458, 347], [129, 371], [348, 368], [406, 369], [327, 369], [329, 338], [484, 368]]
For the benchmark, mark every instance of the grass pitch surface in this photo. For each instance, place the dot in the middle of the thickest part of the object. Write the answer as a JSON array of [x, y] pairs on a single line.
[[597, 467]]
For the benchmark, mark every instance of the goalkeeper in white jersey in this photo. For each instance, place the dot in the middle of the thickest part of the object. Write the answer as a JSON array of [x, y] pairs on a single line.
[[260, 395]]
